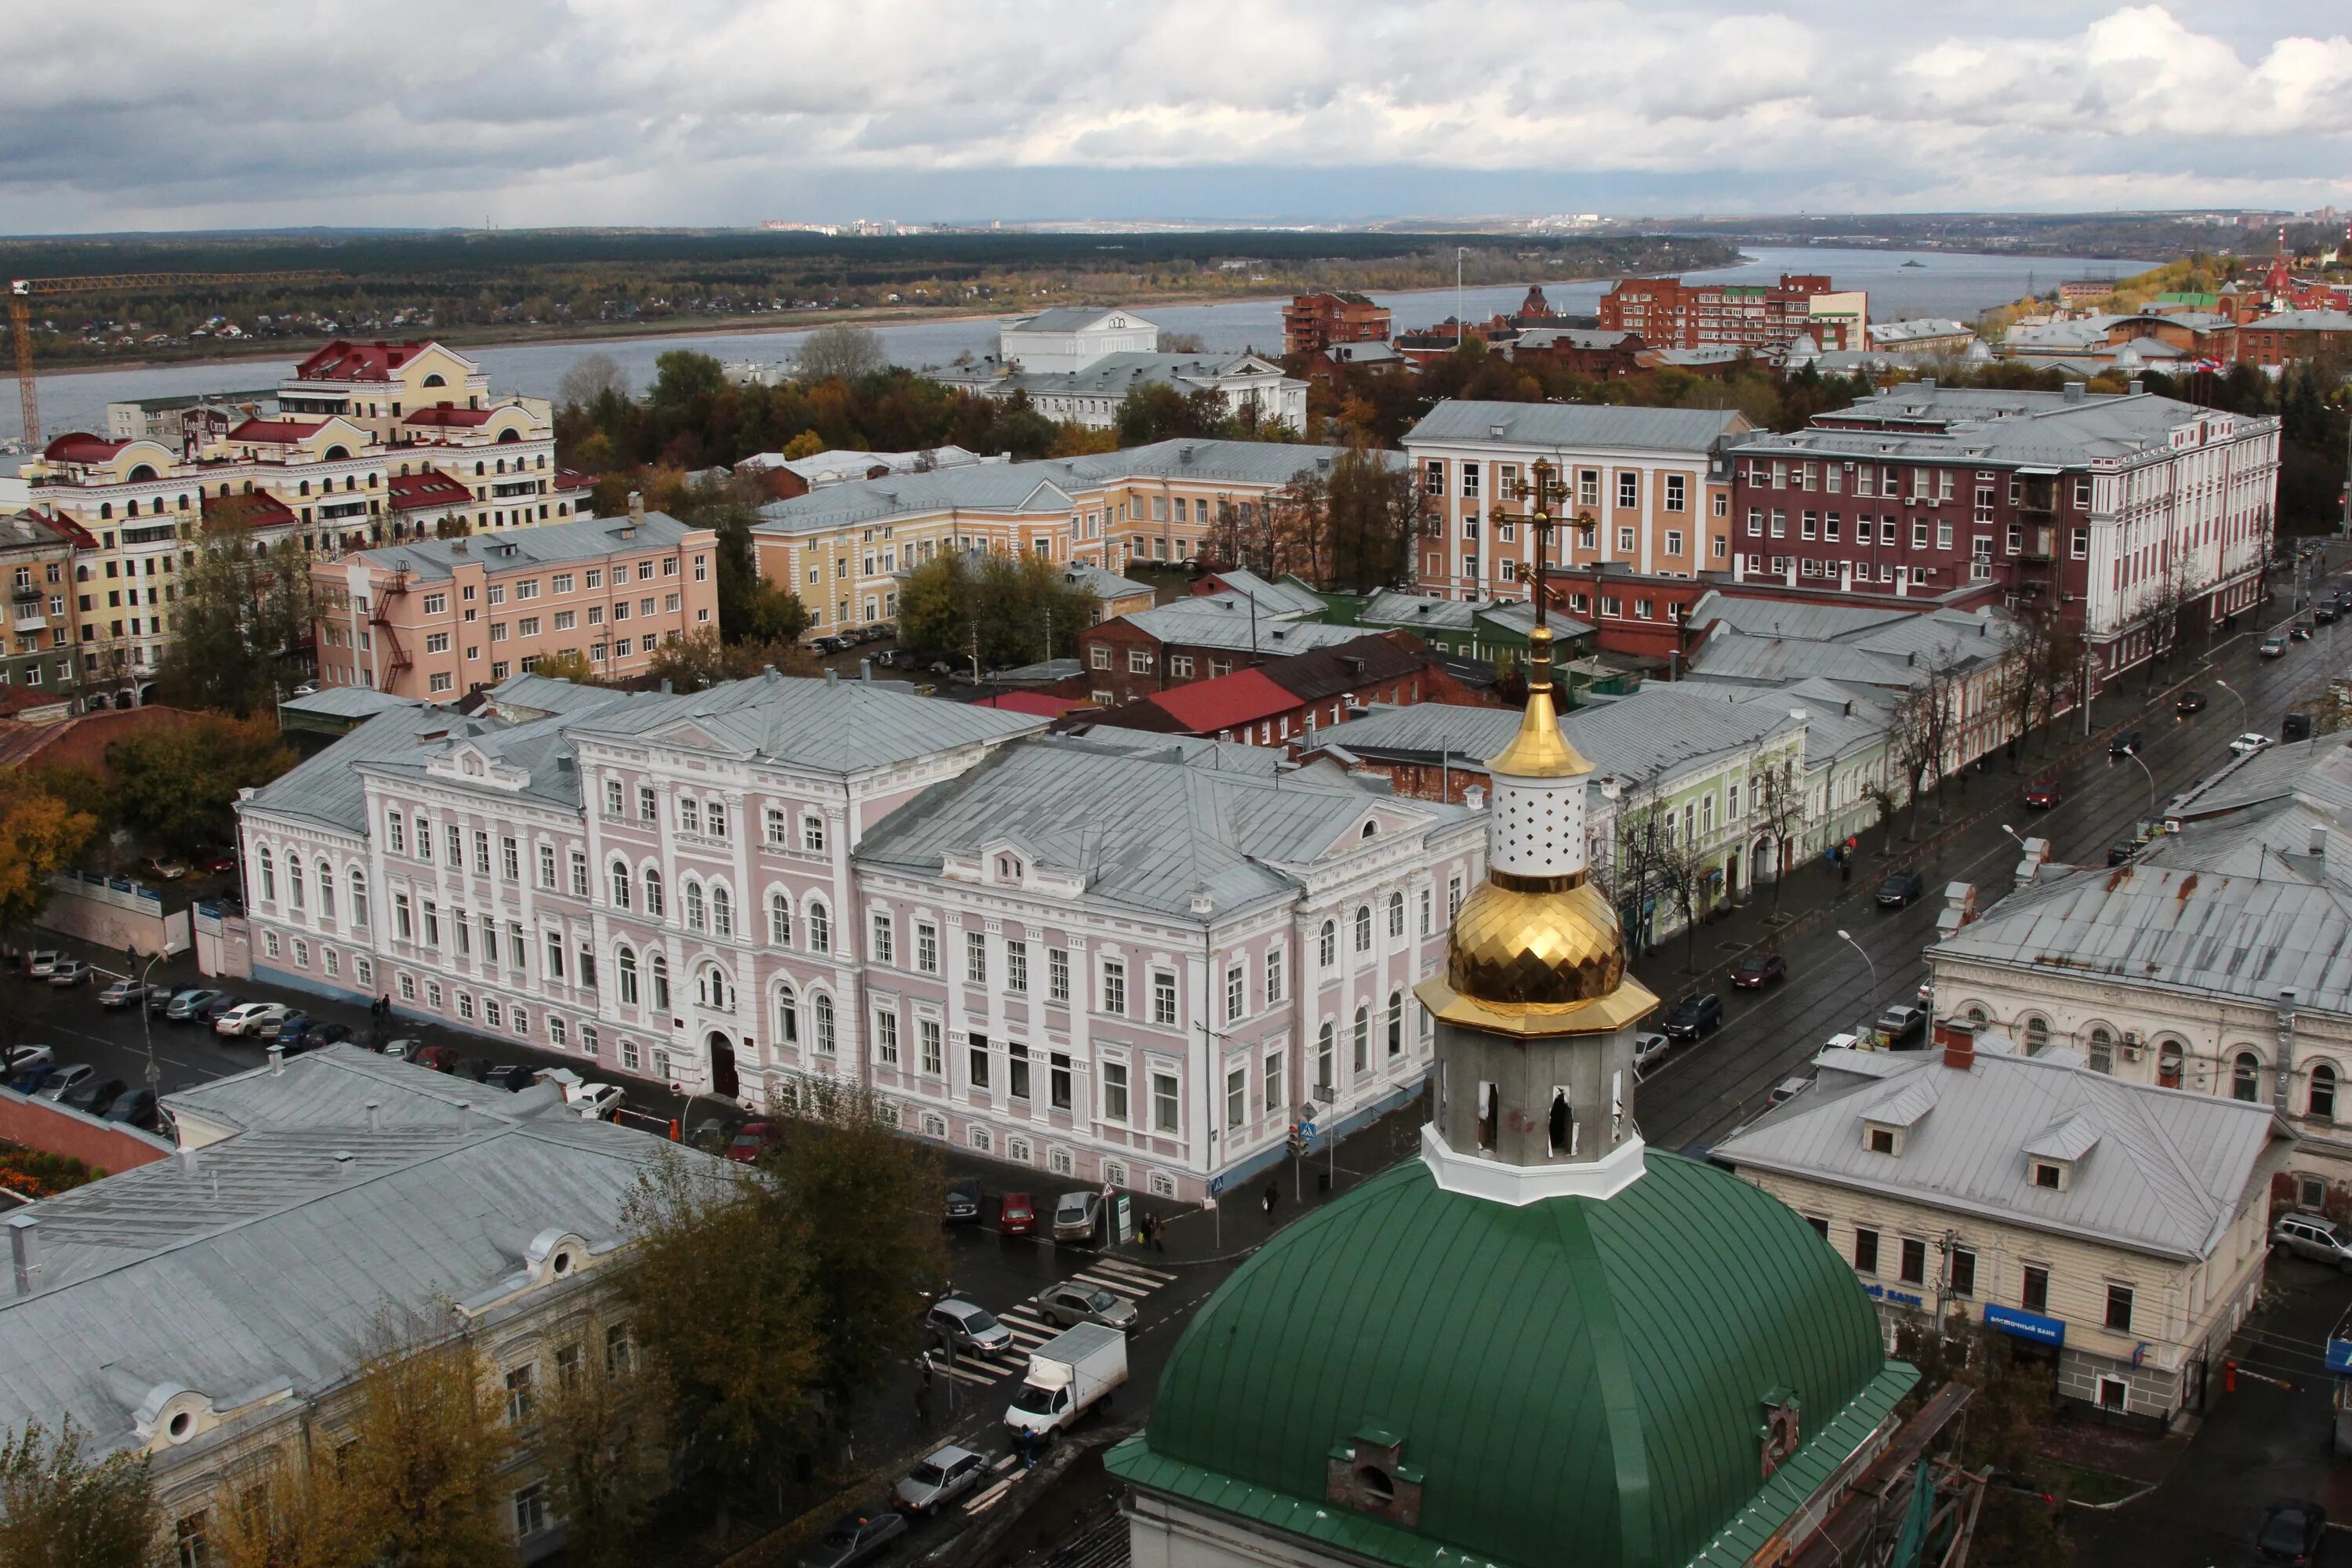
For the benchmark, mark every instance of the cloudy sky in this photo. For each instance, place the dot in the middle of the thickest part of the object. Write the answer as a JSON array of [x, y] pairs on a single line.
[[524, 112]]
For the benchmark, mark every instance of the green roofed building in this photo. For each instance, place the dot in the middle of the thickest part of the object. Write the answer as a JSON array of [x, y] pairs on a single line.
[[1541, 1343]]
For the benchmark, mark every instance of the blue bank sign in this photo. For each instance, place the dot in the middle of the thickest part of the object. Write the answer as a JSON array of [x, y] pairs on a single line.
[[2031, 1326]]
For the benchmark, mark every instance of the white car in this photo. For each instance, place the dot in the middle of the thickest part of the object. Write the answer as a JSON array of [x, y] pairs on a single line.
[[22, 1057], [2249, 744], [597, 1101], [248, 1017], [1650, 1047]]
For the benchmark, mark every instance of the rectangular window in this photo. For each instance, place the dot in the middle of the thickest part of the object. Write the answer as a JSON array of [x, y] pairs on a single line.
[[2120, 1308], [1676, 500], [1057, 1080], [975, 958], [530, 1511], [2035, 1295], [1629, 488], [1163, 998], [1866, 1251], [1163, 1102], [511, 859], [1058, 974], [1016, 968], [976, 1061], [1274, 975], [519, 1400], [1113, 1091], [1114, 988], [1914, 1269], [927, 948], [546, 865], [885, 947], [934, 1056], [578, 874], [1236, 1098], [885, 1038], [1964, 1272], [1274, 1082], [1016, 1058]]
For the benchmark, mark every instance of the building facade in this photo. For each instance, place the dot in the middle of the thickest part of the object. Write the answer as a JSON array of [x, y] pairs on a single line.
[[1669, 313], [37, 554], [1313, 323]]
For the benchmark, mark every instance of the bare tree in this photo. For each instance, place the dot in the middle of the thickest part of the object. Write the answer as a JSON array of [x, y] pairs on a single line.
[[588, 379], [839, 353], [1912, 742], [1777, 791], [1940, 716], [1629, 868]]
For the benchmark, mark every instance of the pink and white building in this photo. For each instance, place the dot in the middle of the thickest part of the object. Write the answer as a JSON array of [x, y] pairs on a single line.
[[1135, 959]]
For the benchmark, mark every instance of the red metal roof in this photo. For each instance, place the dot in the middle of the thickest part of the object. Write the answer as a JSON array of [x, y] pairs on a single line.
[[1227, 702], [447, 417], [81, 447], [573, 480], [426, 489], [259, 510], [275, 430], [345, 361], [1043, 704]]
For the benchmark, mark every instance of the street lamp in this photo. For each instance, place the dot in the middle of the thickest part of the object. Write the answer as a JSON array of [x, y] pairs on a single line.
[[147, 1025], [2245, 714], [1865, 958], [2133, 752]]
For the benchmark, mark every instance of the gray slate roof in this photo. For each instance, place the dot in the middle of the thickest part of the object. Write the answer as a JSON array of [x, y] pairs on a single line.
[[1993, 427], [1580, 425], [1069, 318], [528, 549], [1224, 621], [2161, 1171], [347, 702], [1654, 732]]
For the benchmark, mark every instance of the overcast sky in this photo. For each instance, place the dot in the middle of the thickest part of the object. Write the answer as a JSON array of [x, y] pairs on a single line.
[[527, 112]]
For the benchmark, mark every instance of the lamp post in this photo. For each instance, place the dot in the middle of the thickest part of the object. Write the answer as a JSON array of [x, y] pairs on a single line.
[[1849, 941], [2133, 752], [147, 1025], [2245, 713]]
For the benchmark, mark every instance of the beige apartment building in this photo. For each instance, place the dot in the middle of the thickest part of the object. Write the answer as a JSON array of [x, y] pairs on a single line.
[[1648, 489], [437, 618]]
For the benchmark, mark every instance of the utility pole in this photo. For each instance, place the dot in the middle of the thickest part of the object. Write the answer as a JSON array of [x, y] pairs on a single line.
[[1459, 324]]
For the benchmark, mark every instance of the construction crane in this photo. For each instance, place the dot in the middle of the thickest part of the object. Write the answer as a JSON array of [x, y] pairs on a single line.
[[21, 291]]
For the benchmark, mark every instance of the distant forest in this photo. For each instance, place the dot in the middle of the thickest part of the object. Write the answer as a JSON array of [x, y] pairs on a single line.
[[491, 286]]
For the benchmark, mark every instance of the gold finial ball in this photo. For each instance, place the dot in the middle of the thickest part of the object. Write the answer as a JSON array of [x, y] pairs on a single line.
[[1519, 942]]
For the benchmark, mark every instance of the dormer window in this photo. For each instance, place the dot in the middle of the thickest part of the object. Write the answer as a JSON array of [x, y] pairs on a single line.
[[2050, 1175], [1008, 868], [1882, 1140]]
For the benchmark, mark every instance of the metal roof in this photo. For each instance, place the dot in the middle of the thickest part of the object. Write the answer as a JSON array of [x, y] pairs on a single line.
[[1581, 425], [530, 549], [2162, 1171], [347, 702], [1996, 425], [1072, 318], [1225, 621], [327, 789], [1286, 597], [1574, 1370], [1652, 733], [332, 1088]]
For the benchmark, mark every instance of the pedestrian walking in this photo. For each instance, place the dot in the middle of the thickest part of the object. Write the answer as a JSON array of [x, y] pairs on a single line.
[[1159, 1234], [923, 1393], [1271, 1192]]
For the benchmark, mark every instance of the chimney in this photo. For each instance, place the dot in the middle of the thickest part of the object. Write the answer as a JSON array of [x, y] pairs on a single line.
[[25, 1251], [636, 506], [2074, 392], [831, 677], [2135, 386], [2318, 842], [1474, 797], [1959, 1043], [375, 1115], [276, 1059], [1928, 384], [865, 671]]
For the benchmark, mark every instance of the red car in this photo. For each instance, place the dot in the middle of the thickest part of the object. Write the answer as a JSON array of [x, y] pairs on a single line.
[[2042, 794], [753, 1139], [1759, 970], [440, 1058], [1016, 1216]]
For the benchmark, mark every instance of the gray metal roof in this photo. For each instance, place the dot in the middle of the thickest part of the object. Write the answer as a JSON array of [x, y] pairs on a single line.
[[267, 1261], [1581, 424], [1072, 319], [1102, 583], [1146, 830], [530, 549], [332, 1088], [1653, 733], [1889, 333], [1286, 597], [1767, 642], [347, 702], [1116, 374], [1994, 425], [327, 789], [1225, 621], [2301, 321], [2161, 1171]]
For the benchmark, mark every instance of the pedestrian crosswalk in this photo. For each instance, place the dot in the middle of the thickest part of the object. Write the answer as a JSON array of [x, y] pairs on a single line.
[[1031, 1327]]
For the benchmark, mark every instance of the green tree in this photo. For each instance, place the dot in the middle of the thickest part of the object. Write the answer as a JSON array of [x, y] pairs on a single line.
[[64, 1506], [683, 375], [40, 834], [179, 785], [216, 659], [1009, 610], [571, 665], [751, 608]]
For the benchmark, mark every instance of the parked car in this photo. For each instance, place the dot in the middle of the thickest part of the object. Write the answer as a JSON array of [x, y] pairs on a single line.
[[2299, 632], [2291, 1531], [753, 1139], [189, 1006], [222, 1004], [245, 1020], [2247, 744], [1901, 1022], [93, 1096], [2125, 745], [31, 1078], [1787, 1089], [1076, 1215], [968, 1326], [1757, 969], [288, 1030], [136, 1107], [2188, 702], [1899, 889], [214, 861], [1650, 1047], [2295, 727], [169, 870], [64, 1080], [855, 1537], [942, 1478], [2314, 1236], [962, 1201], [22, 1057], [1075, 1302], [597, 1101], [2274, 647], [712, 1134], [1016, 1216], [512, 1077], [1694, 1015], [2121, 852], [440, 1058], [2325, 611], [318, 1037], [70, 972], [2042, 795], [42, 962], [122, 993]]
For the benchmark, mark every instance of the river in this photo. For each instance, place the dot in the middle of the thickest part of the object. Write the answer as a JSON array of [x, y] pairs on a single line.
[[1944, 283]]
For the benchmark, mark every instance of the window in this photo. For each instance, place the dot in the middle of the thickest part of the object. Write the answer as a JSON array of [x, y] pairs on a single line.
[[821, 1010], [1236, 994], [2119, 1309], [1426, 902], [1016, 1058], [191, 1540], [885, 1038], [1364, 928], [1163, 1102], [1057, 1080], [2245, 1076], [1163, 998], [1629, 488], [1016, 968], [621, 885], [611, 798], [649, 807], [1363, 1057], [1273, 976], [1327, 944], [975, 958], [1866, 1251], [1963, 1272], [1114, 988], [1113, 1091], [885, 941], [530, 1509], [518, 1399], [690, 815], [1058, 974], [1236, 1098], [1273, 1082], [2048, 1176], [1676, 486], [653, 892], [820, 927], [1914, 1269], [2034, 1294], [625, 961], [2323, 1092], [780, 920], [1396, 1023]]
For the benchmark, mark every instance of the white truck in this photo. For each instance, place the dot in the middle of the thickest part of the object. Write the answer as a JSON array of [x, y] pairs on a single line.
[[1068, 1375]]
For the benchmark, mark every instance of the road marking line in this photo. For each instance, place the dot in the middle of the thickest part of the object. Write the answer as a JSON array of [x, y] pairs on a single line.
[[991, 1498], [962, 1376], [1143, 1277], [1153, 1274], [1115, 1285], [1004, 1463]]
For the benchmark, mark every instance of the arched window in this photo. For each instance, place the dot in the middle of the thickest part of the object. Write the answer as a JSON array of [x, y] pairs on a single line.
[[1396, 914], [691, 897], [268, 873], [1326, 945], [713, 989], [820, 927], [1396, 1023], [1561, 1129], [293, 881], [326, 891], [359, 897], [658, 971], [1363, 928], [2323, 1091], [433, 380], [2246, 1077], [1977, 1014], [620, 885], [2103, 1049], [2036, 1030], [627, 965], [788, 1017], [653, 892], [1327, 1063], [722, 911], [2167, 1065], [780, 919], [1488, 1121], [1364, 1038], [823, 1008]]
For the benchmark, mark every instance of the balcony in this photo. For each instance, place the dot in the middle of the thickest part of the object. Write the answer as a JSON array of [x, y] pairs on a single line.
[[2040, 545]]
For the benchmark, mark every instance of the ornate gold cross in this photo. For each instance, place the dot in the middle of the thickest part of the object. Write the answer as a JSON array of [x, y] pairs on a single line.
[[1543, 488]]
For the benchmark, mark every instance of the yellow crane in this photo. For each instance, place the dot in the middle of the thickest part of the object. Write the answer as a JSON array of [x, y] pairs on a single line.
[[22, 290]]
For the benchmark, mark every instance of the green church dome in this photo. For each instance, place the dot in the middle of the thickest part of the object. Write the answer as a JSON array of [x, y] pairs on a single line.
[[1427, 1378]]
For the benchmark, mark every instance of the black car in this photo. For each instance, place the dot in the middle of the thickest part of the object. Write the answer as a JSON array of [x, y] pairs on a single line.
[[315, 1035], [2325, 611], [94, 1096], [713, 1135], [2291, 1531], [2188, 702], [855, 1538], [2120, 853], [2125, 745], [1900, 889], [964, 1201], [224, 1002], [514, 1077], [1757, 969], [137, 1109], [1694, 1015]]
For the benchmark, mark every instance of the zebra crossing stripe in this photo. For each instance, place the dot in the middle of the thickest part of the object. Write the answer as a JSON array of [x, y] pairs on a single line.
[[1115, 1285], [983, 1501], [1134, 1270], [962, 1376], [1027, 1335]]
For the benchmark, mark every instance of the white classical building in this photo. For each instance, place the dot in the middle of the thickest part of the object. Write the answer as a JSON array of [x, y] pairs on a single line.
[[1078, 365], [1073, 338], [1129, 958]]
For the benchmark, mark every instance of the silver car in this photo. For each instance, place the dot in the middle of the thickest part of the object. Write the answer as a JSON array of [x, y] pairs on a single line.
[[966, 1324], [1075, 1302], [2309, 1235], [942, 1478], [1649, 1048]]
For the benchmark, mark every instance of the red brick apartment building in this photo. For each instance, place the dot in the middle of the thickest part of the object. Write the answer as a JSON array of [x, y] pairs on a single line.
[[1313, 323], [1671, 314]]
